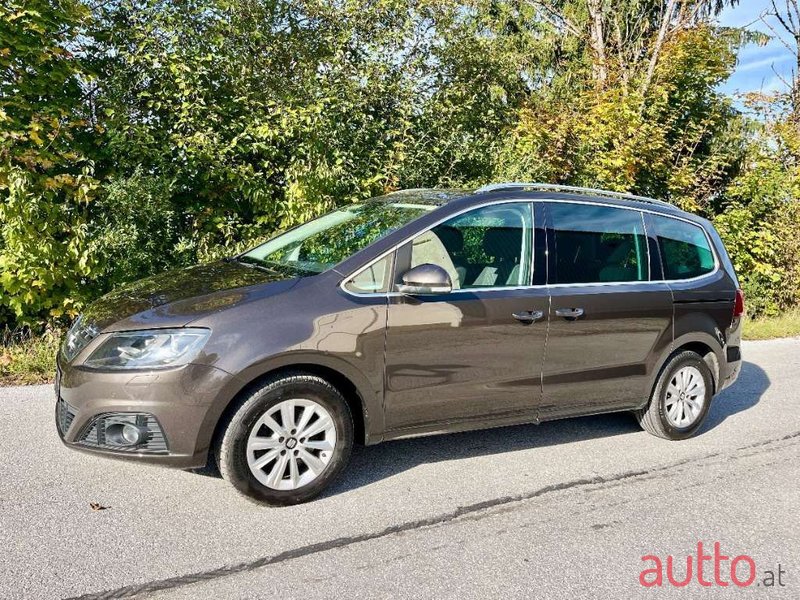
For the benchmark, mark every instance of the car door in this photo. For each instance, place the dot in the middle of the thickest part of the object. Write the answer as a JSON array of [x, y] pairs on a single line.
[[475, 353], [610, 317]]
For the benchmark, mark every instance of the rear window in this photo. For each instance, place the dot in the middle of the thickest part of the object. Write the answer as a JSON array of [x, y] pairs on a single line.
[[685, 249], [598, 244]]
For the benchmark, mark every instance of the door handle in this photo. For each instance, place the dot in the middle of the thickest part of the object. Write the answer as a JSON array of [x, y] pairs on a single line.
[[528, 317], [569, 313]]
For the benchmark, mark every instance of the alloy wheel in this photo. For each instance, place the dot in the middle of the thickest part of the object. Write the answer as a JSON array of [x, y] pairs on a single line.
[[291, 444], [685, 397]]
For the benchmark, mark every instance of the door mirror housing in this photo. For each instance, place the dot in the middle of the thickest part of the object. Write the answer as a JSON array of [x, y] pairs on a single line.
[[426, 280]]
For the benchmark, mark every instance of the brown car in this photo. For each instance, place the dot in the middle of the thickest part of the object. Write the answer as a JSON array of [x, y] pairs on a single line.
[[420, 312]]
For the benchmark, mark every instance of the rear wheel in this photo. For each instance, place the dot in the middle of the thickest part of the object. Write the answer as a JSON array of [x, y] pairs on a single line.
[[681, 398], [287, 441]]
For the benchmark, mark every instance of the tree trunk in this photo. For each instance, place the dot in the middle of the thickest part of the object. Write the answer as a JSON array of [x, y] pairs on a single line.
[[796, 81], [666, 19], [598, 42]]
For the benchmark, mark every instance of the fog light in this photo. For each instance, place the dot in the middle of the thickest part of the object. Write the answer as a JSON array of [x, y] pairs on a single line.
[[125, 434], [132, 434]]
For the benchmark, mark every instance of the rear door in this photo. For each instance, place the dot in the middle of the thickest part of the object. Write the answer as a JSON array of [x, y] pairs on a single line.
[[609, 317], [474, 354]]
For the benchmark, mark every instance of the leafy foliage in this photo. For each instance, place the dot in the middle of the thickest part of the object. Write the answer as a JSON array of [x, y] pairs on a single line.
[[137, 135], [760, 220], [46, 176]]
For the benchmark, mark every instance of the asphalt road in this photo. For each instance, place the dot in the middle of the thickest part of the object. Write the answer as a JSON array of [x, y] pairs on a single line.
[[562, 510]]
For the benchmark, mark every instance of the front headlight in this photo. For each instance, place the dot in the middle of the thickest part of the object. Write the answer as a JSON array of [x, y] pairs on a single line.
[[78, 337], [153, 349]]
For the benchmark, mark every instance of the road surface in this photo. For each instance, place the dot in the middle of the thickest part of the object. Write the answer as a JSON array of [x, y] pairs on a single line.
[[562, 510]]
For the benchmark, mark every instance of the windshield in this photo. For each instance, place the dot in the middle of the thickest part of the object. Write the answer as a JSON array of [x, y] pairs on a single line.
[[322, 243]]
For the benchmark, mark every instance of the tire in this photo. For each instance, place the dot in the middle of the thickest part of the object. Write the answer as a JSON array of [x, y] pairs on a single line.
[[256, 432], [674, 416]]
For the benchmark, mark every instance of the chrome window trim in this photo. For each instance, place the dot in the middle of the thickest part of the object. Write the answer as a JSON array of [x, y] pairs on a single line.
[[717, 263], [532, 201]]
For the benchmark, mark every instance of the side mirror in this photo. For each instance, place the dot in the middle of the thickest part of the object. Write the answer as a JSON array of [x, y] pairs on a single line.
[[427, 279]]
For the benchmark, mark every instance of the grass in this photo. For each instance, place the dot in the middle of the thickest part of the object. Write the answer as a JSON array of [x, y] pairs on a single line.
[[768, 328], [27, 359]]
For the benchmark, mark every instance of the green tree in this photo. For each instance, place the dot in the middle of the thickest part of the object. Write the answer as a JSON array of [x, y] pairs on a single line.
[[46, 174], [137, 135], [759, 216]]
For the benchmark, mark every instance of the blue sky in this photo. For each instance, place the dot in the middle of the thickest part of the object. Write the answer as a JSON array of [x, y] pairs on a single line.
[[756, 63]]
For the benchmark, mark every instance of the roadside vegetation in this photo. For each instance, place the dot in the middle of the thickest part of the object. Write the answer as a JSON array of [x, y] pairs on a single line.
[[26, 358], [142, 135], [767, 328]]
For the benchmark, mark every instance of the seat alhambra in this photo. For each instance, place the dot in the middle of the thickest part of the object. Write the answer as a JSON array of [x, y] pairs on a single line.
[[419, 312]]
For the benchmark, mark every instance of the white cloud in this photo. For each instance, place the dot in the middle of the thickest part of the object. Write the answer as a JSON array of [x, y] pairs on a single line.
[[760, 68], [763, 63]]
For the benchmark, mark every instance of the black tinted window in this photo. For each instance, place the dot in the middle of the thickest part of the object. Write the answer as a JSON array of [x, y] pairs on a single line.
[[598, 244], [685, 250]]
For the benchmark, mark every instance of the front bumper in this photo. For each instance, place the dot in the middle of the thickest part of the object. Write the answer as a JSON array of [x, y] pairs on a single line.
[[180, 408]]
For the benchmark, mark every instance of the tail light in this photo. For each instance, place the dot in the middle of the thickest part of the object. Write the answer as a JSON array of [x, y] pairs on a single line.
[[738, 307]]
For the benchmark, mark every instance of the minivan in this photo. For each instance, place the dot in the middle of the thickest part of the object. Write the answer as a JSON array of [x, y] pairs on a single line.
[[419, 312]]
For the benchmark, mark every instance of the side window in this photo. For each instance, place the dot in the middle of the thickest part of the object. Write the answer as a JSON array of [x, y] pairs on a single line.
[[685, 250], [487, 247], [373, 279], [598, 244]]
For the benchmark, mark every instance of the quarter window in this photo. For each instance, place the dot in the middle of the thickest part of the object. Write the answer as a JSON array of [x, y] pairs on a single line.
[[486, 247], [685, 250], [373, 279], [598, 244]]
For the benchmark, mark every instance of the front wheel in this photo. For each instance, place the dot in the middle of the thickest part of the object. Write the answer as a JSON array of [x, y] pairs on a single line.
[[681, 398], [287, 441]]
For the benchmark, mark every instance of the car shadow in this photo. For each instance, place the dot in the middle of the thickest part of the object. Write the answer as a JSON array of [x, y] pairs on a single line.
[[370, 464], [744, 394]]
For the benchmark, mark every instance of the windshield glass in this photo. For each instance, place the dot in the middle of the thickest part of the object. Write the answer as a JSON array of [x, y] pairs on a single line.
[[318, 245]]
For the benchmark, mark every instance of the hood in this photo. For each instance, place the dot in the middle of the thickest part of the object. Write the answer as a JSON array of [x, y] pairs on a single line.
[[175, 298]]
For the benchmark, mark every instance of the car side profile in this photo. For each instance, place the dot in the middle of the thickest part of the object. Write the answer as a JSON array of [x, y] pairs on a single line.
[[416, 313]]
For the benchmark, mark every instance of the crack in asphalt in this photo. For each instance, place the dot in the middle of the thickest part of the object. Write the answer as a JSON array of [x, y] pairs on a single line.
[[132, 591]]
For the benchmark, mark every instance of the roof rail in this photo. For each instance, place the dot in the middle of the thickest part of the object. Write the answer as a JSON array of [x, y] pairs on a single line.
[[405, 191], [568, 188]]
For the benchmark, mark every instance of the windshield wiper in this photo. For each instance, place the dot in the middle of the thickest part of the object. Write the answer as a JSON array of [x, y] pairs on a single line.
[[270, 267], [249, 261]]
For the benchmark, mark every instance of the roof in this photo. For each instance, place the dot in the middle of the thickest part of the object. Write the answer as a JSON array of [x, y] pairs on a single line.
[[548, 187], [532, 191]]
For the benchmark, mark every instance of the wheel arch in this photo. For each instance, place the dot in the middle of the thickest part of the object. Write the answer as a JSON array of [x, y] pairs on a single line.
[[364, 401], [703, 344], [708, 355]]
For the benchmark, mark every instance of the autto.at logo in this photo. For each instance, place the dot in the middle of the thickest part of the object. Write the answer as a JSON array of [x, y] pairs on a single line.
[[708, 570]]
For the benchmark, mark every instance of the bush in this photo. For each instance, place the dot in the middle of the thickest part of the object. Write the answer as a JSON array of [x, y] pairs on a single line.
[[46, 266], [760, 222], [136, 230], [759, 255], [139, 136]]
